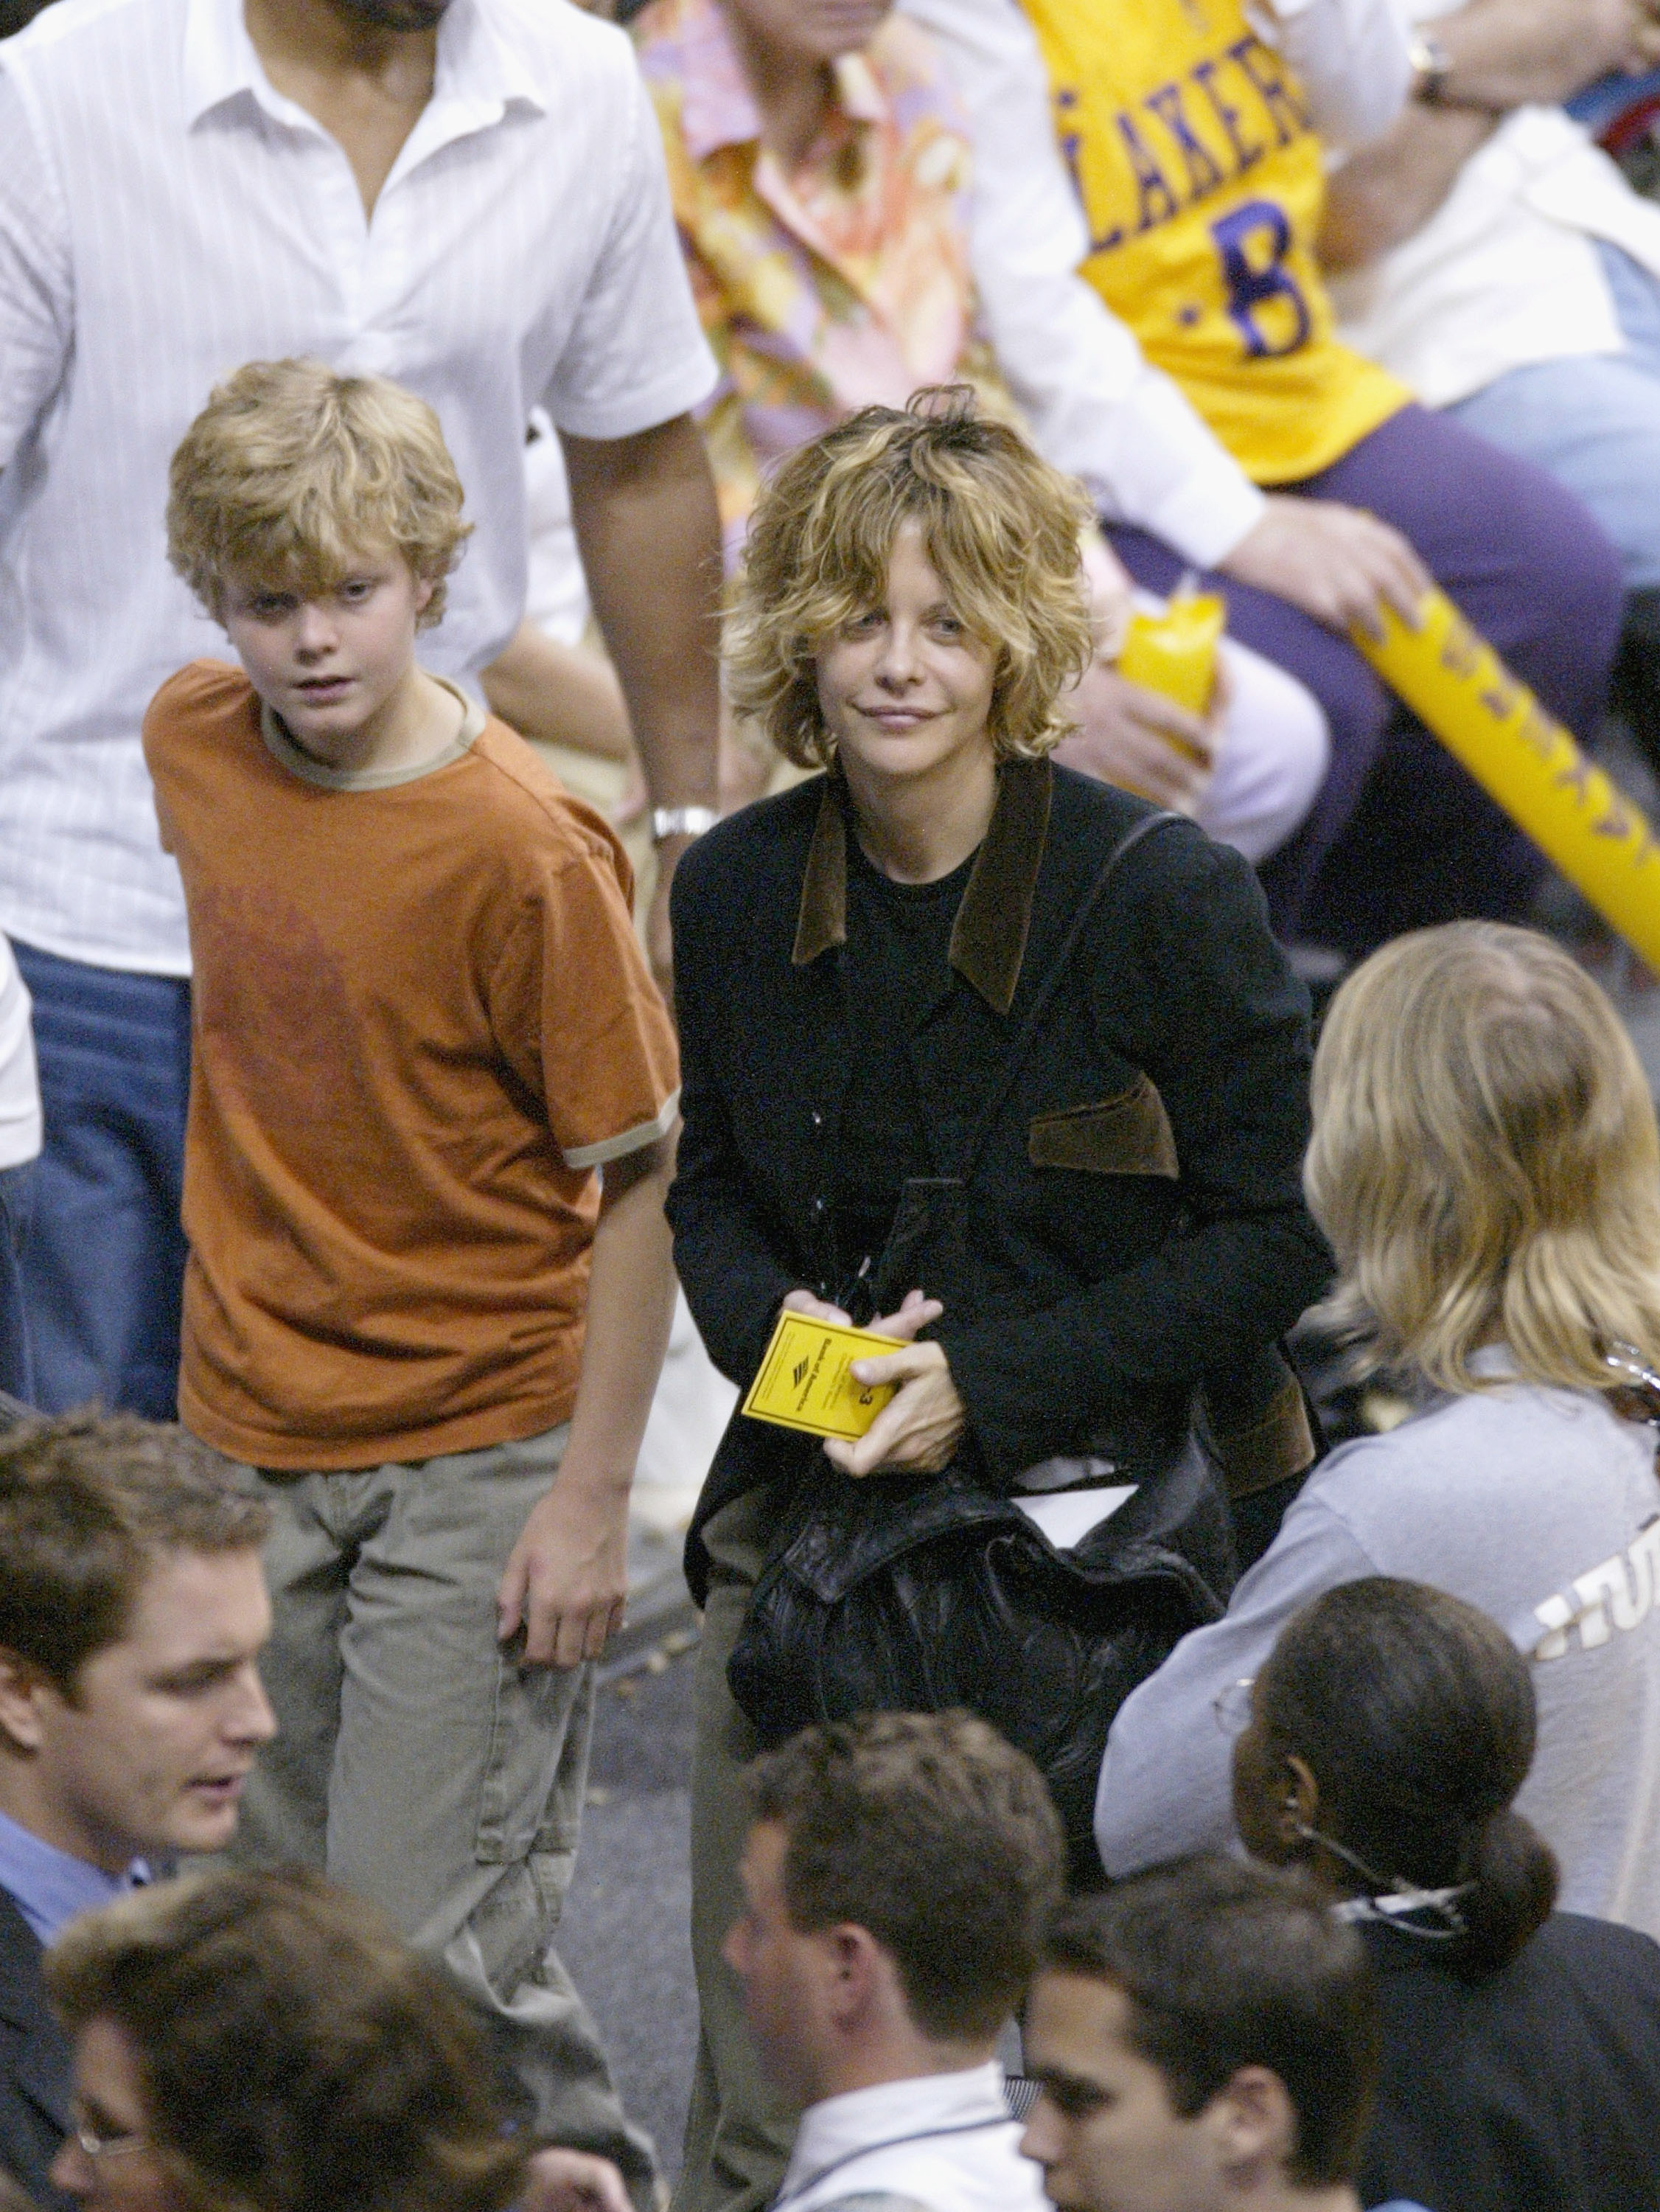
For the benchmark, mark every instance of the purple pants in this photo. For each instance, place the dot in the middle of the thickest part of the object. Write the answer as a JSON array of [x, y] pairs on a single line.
[[1400, 837]]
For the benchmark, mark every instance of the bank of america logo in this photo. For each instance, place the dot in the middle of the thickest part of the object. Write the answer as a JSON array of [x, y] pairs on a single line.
[[798, 1372]]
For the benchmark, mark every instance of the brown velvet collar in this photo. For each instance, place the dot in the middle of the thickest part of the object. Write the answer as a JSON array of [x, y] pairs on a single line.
[[988, 940]]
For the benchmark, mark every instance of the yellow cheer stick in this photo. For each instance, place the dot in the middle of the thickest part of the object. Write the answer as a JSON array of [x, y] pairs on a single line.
[[1175, 653], [1523, 757]]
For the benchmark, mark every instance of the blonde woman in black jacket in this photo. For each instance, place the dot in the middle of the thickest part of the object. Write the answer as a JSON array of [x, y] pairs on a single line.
[[946, 1074]]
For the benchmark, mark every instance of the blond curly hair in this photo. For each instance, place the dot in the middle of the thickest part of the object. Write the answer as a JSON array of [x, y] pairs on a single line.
[[294, 471], [1001, 528]]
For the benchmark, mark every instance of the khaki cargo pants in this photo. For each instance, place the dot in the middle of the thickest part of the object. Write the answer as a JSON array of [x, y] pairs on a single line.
[[739, 2131], [420, 1765]]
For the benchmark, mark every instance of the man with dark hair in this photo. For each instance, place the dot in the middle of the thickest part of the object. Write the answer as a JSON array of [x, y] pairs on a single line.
[[1206, 2038], [132, 1608], [896, 1882]]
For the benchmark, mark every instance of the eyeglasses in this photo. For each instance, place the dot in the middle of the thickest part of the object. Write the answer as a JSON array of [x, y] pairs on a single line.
[[1232, 1706], [97, 2145]]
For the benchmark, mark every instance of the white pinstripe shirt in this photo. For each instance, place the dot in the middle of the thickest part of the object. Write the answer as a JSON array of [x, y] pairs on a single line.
[[164, 215]]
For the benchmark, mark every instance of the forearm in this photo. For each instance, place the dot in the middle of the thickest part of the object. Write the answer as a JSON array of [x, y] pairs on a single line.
[[631, 1302], [1506, 53], [645, 520], [1385, 194], [558, 694]]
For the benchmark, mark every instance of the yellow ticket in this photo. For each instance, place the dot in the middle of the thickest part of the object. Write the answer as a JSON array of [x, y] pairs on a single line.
[[803, 1382]]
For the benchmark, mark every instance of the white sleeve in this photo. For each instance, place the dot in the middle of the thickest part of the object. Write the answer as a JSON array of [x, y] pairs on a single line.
[[1097, 408], [37, 287], [1351, 57], [637, 356], [1166, 1784], [19, 1085]]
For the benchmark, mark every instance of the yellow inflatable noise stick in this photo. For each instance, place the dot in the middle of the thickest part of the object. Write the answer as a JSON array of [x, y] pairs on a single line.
[[1491, 723], [1175, 653]]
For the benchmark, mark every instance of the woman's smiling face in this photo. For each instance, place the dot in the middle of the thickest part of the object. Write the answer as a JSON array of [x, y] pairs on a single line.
[[905, 688]]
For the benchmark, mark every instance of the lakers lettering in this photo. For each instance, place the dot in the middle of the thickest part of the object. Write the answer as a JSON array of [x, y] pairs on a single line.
[[1188, 139]]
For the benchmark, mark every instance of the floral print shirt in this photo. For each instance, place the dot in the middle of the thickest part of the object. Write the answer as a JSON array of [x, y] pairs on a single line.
[[844, 283]]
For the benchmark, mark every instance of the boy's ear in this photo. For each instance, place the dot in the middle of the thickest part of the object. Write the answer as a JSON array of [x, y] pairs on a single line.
[[1252, 2124], [425, 587]]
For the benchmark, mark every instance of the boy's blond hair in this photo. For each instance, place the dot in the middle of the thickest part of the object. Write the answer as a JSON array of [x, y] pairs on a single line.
[[293, 470], [1485, 1161], [1001, 528]]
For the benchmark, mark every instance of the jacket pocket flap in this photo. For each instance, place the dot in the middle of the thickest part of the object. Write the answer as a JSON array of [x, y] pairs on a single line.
[[1129, 1135]]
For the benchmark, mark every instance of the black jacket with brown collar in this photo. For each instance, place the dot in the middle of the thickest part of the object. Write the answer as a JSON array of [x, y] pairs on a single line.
[[1136, 1222]]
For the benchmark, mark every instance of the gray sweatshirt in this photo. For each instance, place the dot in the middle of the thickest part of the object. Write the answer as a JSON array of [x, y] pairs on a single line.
[[1538, 1505]]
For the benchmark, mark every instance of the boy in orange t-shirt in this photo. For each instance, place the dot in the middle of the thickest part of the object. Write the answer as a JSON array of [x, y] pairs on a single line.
[[422, 1021]]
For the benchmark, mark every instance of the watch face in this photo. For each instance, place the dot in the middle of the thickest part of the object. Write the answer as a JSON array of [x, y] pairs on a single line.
[[1430, 65]]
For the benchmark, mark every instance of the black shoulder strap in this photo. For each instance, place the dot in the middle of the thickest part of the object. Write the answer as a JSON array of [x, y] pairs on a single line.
[[1021, 1046]]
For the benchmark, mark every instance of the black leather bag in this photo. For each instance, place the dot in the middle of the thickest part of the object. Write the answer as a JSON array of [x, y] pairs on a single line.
[[893, 1596], [916, 1594]]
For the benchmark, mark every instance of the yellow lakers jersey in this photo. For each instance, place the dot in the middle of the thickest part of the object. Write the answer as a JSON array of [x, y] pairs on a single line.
[[1201, 182]]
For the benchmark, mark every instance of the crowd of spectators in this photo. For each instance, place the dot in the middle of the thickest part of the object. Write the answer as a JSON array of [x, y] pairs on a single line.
[[567, 791]]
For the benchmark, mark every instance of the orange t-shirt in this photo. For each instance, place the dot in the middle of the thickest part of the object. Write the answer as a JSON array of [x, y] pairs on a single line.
[[421, 1019]]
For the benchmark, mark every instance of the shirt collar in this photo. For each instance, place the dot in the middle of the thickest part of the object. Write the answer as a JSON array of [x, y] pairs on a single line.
[[988, 938], [50, 1887], [282, 747], [717, 107], [478, 76], [862, 2119]]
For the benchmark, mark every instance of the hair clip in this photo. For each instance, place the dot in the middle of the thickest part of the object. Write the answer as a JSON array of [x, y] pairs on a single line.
[[1394, 1911], [1636, 1396]]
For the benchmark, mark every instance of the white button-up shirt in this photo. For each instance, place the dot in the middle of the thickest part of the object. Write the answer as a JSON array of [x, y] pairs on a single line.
[[943, 2140], [164, 215], [1097, 407], [19, 1086]]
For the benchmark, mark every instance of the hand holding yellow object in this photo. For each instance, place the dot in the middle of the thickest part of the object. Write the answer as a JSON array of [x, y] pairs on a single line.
[[1492, 724], [803, 1382]]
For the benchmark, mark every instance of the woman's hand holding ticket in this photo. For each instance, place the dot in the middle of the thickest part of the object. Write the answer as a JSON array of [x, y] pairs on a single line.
[[922, 1425]]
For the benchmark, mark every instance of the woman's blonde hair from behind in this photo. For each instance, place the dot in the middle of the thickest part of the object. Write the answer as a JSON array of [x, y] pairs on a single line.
[[1485, 1161], [293, 472], [1001, 529]]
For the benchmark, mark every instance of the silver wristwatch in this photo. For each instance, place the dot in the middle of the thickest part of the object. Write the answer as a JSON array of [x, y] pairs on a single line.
[[681, 822], [1432, 65]]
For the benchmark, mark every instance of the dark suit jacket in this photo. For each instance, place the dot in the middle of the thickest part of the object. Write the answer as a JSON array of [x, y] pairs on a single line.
[[1136, 1224], [34, 2062], [1537, 2090]]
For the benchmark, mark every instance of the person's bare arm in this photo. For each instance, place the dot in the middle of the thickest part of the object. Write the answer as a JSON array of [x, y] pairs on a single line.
[[646, 523], [567, 1578], [1502, 53], [1506, 53], [1381, 196], [559, 695]]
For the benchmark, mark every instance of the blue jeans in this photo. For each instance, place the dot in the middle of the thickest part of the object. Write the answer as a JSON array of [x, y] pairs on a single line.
[[103, 1262], [1594, 421]]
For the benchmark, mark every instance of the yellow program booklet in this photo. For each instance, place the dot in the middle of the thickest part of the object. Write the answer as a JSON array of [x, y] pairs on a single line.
[[804, 1383]]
